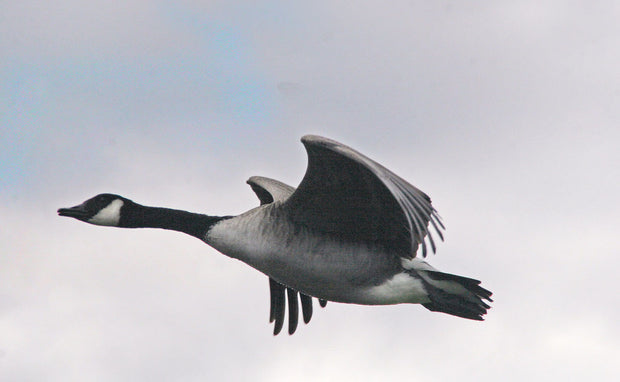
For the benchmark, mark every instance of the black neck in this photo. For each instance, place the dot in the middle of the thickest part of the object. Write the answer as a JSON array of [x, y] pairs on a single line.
[[193, 224]]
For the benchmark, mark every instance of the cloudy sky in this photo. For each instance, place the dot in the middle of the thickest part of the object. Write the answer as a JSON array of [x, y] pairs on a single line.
[[506, 113]]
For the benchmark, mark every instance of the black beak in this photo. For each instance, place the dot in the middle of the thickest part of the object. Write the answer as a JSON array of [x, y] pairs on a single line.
[[78, 212]]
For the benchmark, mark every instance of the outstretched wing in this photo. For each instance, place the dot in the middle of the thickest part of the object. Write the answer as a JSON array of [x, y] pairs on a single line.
[[349, 195], [270, 190]]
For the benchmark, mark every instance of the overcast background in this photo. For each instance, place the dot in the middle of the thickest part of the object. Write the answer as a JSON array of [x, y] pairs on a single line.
[[506, 113]]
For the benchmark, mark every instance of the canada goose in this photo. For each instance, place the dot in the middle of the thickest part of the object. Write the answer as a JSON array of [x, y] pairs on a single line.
[[349, 233]]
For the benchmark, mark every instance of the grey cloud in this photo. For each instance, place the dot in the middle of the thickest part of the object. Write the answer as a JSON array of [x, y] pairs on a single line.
[[505, 114]]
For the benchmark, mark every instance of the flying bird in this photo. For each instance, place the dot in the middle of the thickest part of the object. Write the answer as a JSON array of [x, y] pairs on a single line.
[[349, 233]]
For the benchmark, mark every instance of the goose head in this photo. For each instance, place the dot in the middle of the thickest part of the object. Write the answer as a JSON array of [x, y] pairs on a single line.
[[103, 209]]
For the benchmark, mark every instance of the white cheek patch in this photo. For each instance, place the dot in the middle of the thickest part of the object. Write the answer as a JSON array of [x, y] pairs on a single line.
[[110, 215]]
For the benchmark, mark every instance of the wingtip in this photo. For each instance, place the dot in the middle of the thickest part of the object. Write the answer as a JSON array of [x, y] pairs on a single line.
[[277, 330]]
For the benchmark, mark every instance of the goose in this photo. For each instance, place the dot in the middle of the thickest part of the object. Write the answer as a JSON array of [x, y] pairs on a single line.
[[352, 232]]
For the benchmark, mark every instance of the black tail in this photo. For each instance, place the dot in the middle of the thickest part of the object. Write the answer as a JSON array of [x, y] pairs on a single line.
[[456, 295]]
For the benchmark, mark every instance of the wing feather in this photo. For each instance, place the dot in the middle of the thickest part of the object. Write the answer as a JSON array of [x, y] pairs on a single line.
[[349, 195]]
